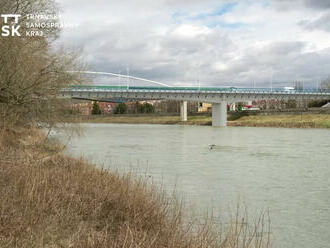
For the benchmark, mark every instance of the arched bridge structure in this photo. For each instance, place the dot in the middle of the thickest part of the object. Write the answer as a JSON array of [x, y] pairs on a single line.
[[219, 97]]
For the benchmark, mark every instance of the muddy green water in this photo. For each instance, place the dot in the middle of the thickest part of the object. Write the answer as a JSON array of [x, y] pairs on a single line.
[[284, 170]]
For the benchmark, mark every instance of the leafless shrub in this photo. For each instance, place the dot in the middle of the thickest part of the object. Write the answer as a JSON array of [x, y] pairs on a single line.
[[31, 72], [65, 202]]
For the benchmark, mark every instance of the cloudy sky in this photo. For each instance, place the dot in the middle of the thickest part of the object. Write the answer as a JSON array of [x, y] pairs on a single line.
[[214, 42]]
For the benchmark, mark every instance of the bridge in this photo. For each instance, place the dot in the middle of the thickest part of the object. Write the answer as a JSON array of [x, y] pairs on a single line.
[[218, 97]]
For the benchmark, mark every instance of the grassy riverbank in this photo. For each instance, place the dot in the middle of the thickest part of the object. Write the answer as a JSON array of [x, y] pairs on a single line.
[[51, 200], [284, 120], [274, 120], [147, 119]]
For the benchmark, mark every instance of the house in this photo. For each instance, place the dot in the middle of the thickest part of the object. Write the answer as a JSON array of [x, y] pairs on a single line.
[[107, 107], [204, 107]]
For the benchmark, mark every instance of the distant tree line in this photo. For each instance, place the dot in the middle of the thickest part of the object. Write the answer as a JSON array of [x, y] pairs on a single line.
[[144, 108], [96, 109], [123, 108]]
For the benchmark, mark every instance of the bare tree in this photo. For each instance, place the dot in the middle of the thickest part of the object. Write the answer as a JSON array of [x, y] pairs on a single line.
[[31, 72]]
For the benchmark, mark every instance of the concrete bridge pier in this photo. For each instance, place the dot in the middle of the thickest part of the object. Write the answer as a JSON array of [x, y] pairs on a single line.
[[219, 114], [233, 106], [183, 111]]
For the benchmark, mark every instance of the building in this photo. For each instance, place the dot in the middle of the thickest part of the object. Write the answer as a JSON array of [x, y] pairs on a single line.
[[204, 107], [84, 108], [107, 107], [207, 107]]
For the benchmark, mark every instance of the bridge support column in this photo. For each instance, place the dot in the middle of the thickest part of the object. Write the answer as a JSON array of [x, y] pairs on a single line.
[[183, 111], [219, 114], [233, 106]]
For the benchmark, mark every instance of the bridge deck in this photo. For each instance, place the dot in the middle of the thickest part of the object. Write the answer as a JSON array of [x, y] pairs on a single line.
[[218, 96], [196, 89]]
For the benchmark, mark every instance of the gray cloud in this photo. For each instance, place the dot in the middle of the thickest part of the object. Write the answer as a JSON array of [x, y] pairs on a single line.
[[143, 36], [321, 23], [285, 61], [320, 4], [289, 4], [166, 56]]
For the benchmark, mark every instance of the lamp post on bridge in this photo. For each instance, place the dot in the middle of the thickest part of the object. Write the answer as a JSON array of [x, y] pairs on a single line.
[[127, 70]]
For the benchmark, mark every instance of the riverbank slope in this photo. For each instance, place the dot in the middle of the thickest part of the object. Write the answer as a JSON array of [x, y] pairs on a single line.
[[52, 200]]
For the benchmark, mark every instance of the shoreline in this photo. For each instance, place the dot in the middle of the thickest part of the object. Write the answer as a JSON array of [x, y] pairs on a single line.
[[65, 201], [306, 120]]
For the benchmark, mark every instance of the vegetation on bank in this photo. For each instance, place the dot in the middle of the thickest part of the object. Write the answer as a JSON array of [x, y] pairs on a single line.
[[146, 119], [274, 120], [32, 70], [51, 200], [287, 121]]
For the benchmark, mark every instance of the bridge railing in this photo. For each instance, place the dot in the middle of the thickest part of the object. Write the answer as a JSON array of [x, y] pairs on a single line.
[[197, 89]]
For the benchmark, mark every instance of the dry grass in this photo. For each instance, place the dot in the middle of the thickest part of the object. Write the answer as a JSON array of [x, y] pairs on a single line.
[[289, 121], [134, 119], [280, 120], [50, 200], [152, 119]]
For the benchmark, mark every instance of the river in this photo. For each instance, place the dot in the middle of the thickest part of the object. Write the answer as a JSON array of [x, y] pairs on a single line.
[[284, 170]]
